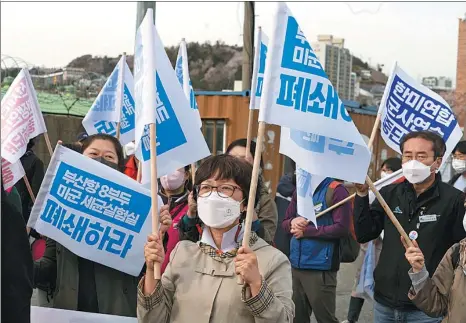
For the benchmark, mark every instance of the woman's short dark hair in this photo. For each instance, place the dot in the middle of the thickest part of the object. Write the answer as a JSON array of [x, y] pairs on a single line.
[[438, 145], [460, 147], [116, 144], [392, 164], [243, 143], [225, 167]]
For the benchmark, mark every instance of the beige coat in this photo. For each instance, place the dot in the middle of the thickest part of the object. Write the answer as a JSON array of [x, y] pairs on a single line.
[[198, 289], [445, 293]]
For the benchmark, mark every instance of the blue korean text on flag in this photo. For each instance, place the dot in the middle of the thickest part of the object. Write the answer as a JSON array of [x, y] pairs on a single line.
[[408, 106], [96, 212], [306, 184], [182, 73], [179, 140], [260, 56], [108, 107], [297, 94]]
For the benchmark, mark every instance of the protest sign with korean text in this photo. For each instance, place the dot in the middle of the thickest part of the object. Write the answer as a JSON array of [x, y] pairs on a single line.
[[111, 106], [408, 106], [260, 55], [21, 118], [11, 173], [93, 210], [297, 94], [179, 141], [55, 315], [182, 73], [306, 184]]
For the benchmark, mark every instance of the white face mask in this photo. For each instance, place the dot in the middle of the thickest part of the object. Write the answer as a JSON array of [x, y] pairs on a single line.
[[218, 212], [415, 171], [383, 174], [464, 222], [459, 165]]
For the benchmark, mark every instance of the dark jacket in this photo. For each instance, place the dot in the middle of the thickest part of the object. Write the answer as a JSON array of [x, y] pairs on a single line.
[[435, 237], [319, 249], [17, 264], [34, 168], [285, 190], [82, 284]]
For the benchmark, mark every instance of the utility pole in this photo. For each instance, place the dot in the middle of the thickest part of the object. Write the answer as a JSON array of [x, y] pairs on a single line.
[[248, 44], [141, 11]]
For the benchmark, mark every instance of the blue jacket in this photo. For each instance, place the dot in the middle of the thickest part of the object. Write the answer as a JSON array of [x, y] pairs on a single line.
[[316, 254]]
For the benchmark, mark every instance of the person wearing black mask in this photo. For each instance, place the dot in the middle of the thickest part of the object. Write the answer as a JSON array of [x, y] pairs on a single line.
[[81, 284]]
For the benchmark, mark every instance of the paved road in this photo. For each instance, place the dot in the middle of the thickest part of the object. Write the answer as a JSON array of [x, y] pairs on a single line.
[[345, 283]]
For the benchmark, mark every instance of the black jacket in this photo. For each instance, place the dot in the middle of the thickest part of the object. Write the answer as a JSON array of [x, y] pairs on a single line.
[[34, 168], [17, 265], [434, 238]]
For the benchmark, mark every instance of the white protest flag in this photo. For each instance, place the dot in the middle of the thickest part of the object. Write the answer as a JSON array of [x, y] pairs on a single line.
[[260, 55], [297, 94], [179, 140], [408, 106], [55, 315], [96, 212], [182, 73], [21, 118], [306, 184], [11, 173], [114, 104], [390, 179]]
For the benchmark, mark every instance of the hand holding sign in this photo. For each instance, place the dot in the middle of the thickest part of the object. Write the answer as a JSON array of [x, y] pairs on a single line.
[[165, 219]]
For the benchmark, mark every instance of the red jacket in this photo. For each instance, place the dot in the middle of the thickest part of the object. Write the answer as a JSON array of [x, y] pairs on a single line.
[[131, 169]]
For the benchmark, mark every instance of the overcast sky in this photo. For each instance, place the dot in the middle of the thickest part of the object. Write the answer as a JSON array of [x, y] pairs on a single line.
[[423, 37]]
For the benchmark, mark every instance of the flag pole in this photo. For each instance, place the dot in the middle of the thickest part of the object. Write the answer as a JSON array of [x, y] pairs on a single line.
[[28, 186], [139, 175], [193, 172], [122, 92], [252, 103], [370, 145], [253, 188], [389, 212], [154, 190], [47, 141]]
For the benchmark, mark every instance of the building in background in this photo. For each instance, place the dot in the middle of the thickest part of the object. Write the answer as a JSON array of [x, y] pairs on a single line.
[[441, 83], [337, 63], [460, 93], [354, 86]]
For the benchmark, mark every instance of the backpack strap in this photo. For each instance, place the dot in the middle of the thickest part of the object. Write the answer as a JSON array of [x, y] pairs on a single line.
[[330, 190]]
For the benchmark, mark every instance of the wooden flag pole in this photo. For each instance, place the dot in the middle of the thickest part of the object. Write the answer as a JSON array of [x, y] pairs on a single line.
[[122, 94], [193, 172], [253, 188], [370, 145], [47, 142], [249, 134], [28, 186], [118, 131], [139, 175], [389, 212], [154, 191]]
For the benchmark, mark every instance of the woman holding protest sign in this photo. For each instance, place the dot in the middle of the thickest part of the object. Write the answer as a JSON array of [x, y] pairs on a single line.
[[200, 281], [81, 284], [174, 191]]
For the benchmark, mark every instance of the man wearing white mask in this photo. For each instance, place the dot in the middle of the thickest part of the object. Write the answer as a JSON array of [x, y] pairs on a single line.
[[430, 211], [459, 165]]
